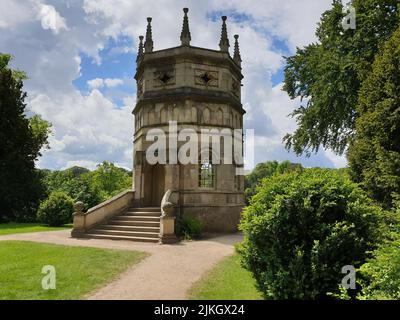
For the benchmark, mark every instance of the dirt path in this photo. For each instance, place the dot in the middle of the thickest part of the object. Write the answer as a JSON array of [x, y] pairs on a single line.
[[168, 273]]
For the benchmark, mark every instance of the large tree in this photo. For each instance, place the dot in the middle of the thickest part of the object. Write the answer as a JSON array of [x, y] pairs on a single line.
[[266, 170], [374, 155], [21, 140], [328, 74]]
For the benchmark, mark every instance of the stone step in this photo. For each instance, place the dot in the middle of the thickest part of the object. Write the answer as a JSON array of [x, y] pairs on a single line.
[[145, 209], [125, 233], [135, 224], [116, 237], [122, 227], [131, 222], [143, 213], [137, 218]]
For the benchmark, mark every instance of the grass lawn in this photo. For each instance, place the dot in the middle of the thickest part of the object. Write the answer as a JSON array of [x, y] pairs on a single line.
[[226, 281], [10, 228], [79, 270]]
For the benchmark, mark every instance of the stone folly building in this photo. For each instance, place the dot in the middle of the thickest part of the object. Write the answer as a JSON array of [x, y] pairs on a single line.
[[198, 89]]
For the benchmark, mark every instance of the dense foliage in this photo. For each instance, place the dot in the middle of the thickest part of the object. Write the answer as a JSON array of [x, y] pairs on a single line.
[[21, 140], [109, 180], [264, 170], [327, 75], [349, 84], [380, 276], [301, 228], [90, 187], [56, 210], [374, 155]]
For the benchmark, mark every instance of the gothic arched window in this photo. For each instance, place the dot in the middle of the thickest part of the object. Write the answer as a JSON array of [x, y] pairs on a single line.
[[206, 175], [206, 169]]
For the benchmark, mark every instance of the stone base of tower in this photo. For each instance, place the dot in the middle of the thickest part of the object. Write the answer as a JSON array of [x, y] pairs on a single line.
[[224, 219]]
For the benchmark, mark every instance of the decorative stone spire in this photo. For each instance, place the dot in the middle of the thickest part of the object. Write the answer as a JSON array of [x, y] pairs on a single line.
[[236, 54], [140, 51], [224, 42], [148, 45], [185, 35]]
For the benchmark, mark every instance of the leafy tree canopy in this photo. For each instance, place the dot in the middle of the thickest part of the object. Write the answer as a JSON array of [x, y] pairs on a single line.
[[21, 140], [374, 155], [328, 74], [110, 179], [265, 170], [90, 187]]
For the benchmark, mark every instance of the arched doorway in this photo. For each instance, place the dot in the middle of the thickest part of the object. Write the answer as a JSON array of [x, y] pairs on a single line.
[[154, 185]]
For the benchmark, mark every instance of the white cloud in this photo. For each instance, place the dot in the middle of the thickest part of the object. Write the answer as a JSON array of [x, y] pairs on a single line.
[[100, 83], [87, 128], [95, 83], [13, 13], [338, 161], [50, 19], [111, 83]]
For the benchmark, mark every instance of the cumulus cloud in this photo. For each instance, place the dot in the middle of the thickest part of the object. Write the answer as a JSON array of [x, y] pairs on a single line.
[[90, 127], [87, 128], [100, 83], [50, 19], [14, 13], [95, 83]]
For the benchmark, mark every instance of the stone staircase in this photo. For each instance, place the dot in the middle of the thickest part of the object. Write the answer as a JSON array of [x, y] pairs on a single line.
[[135, 224]]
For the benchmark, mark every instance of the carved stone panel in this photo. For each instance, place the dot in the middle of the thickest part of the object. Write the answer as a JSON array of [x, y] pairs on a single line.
[[235, 87], [206, 78], [140, 87], [164, 78]]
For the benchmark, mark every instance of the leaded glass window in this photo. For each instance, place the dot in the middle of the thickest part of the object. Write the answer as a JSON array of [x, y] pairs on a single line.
[[206, 175]]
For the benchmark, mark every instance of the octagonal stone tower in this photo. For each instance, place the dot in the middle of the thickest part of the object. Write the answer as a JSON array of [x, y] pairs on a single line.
[[199, 89]]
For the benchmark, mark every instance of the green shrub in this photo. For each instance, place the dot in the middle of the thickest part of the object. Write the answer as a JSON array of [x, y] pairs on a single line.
[[302, 228], [56, 210], [265, 170], [189, 228], [380, 276]]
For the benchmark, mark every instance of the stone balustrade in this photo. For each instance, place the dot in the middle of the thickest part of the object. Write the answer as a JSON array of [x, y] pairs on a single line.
[[84, 221]]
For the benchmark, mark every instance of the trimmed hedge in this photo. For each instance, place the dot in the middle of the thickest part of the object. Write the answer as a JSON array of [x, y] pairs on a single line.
[[302, 228]]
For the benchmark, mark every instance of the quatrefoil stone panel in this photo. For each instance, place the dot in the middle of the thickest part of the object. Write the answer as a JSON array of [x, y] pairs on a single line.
[[206, 78], [164, 78]]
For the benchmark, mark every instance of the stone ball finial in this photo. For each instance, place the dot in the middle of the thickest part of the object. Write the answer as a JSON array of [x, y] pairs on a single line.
[[185, 10], [149, 19], [224, 18], [236, 36], [141, 37], [79, 207]]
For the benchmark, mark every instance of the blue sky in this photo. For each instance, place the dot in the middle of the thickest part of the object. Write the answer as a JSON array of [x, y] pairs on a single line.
[[80, 57]]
